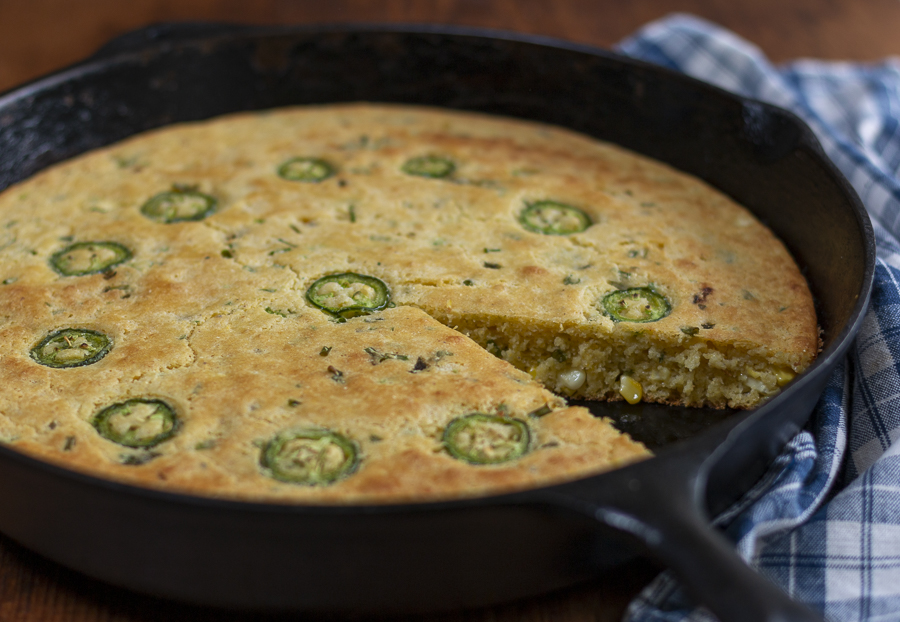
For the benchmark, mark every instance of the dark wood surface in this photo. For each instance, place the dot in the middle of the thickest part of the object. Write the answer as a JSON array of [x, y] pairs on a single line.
[[39, 36]]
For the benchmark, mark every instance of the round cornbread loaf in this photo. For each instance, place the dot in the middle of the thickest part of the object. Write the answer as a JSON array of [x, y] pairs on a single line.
[[206, 256]]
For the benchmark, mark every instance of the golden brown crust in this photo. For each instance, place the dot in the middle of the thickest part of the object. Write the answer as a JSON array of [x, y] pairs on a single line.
[[211, 316]]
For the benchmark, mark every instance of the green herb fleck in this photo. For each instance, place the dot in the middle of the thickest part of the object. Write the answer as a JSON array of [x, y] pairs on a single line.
[[540, 412], [325, 350], [336, 374], [690, 330], [571, 280]]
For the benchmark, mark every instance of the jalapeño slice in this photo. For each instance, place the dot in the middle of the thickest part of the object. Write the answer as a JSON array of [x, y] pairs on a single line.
[[478, 438], [179, 206], [349, 294], [637, 304], [311, 170], [137, 422], [71, 347], [314, 457], [83, 258], [431, 166], [553, 218]]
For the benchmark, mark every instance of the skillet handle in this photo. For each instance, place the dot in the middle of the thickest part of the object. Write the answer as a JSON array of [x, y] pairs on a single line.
[[709, 568], [664, 515]]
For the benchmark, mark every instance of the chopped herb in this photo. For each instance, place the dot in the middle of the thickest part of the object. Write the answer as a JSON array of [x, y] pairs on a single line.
[[268, 289], [10, 280], [352, 212], [468, 282], [540, 412], [571, 280], [375, 439], [272, 311], [690, 330], [707, 325], [492, 250], [492, 266], [420, 365], [380, 357], [70, 443], [325, 350], [336, 374], [748, 295], [559, 355], [703, 295], [494, 349], [293, 403], [208, 444], [138, 459]]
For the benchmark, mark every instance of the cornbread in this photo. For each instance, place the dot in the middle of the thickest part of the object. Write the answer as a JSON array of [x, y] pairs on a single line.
[[364, 303]]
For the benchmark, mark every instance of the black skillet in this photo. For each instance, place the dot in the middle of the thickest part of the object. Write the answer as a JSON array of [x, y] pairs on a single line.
[[469, 553]]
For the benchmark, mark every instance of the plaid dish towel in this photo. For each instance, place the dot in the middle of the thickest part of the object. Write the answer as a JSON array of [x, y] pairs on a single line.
[[825, 524]]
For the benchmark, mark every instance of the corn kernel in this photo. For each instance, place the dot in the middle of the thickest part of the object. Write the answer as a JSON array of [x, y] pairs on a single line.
[[630, 389], [783, 376], [572, 379]]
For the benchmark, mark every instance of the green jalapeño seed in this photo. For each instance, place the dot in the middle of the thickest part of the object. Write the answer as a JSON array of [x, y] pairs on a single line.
[[83, 258], [637, 304], [349, 294], [179, 206], [311, 170], [553, 218], [137, 422], [431, 166], [71, 347], [478, 438], [313, 457]]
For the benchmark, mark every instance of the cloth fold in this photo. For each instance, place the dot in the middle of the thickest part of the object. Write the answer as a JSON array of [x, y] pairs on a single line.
[[824, 524]]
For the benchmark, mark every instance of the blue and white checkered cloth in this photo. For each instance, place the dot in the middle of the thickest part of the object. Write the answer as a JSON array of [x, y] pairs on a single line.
[[825, 525]]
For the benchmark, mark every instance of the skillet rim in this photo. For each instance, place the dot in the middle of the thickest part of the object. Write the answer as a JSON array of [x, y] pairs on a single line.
[[160, 38]]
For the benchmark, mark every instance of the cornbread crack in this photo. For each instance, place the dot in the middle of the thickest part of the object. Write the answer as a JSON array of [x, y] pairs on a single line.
[[369, 303]]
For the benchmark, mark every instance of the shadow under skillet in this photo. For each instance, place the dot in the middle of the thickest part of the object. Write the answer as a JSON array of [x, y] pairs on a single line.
[[657, 425]]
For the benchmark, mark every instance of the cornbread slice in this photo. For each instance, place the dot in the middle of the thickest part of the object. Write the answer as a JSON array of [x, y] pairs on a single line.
[[272, 282]]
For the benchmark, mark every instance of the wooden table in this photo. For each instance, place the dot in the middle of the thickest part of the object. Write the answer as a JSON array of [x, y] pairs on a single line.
[[39, 36]]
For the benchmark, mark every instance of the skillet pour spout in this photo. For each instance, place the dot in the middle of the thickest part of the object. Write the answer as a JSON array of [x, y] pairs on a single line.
[[417, 557]]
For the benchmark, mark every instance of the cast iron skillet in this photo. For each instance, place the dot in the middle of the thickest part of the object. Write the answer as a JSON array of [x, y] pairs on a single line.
[[435, 556]]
